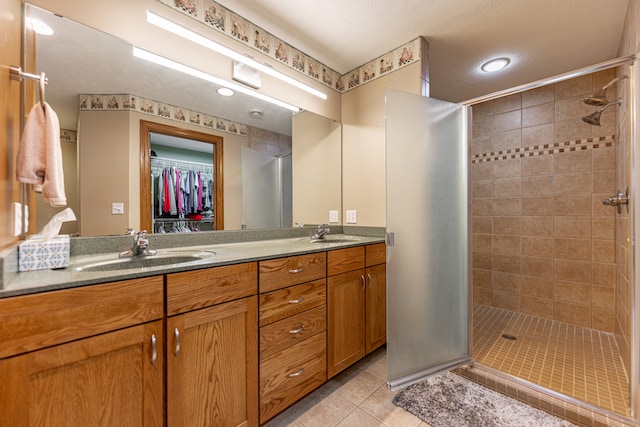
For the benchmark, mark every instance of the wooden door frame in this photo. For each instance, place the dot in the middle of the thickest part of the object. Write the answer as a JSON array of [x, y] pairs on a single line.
[[146, 128]]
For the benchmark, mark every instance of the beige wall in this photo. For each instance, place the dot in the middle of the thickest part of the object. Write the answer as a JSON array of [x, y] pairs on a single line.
[[630, 44], [317, 172], [363, 144], [543, 243]]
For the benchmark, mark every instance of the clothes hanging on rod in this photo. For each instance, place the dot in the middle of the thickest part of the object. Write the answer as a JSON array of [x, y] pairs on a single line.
[[182, 189]]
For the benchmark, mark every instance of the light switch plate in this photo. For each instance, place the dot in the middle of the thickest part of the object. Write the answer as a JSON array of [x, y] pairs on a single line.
[[334, 216], [351, 217], [117, 208]]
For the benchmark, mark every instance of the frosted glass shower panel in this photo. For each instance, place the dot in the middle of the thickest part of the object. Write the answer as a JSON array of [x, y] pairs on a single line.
[[261, 192], [428, 296]]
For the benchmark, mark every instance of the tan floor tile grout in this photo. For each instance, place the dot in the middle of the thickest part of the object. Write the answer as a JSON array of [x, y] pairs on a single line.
[[566, 358]]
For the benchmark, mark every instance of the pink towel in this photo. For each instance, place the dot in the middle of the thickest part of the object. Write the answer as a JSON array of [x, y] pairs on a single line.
[[40, 155]]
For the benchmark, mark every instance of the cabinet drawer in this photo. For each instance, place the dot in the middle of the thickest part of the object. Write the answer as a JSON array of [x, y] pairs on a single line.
[[376, 254], [292, 330], [282, 272], [290, 374], [36, 321], [343, 260], [286, 302], [191, 290]]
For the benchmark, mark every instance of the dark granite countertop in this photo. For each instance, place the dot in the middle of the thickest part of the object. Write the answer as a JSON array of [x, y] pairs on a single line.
[[224, 251]]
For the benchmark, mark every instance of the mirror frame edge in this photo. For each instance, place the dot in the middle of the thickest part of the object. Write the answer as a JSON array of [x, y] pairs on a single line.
[[147, 127]]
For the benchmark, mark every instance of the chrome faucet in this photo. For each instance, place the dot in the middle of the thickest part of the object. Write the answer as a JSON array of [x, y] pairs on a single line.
[[140, 245], [321, 231]]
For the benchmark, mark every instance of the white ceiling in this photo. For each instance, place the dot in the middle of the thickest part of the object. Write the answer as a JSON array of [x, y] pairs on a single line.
[[543, 37]]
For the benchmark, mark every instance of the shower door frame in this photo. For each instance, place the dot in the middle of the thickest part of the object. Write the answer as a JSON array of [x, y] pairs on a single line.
[[634, 110]]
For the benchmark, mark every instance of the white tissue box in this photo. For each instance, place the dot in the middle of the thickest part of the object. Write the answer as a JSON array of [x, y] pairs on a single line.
[[37, 254]]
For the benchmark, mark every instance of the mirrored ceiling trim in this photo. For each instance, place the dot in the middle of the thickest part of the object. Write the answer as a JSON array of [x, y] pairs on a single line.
[[223, 20], [120, 102]]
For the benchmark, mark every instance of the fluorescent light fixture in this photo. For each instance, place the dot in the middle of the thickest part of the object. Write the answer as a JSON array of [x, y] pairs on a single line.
[[496, 64], [225, 91], [166, 62], [39, 27], [181, 31]]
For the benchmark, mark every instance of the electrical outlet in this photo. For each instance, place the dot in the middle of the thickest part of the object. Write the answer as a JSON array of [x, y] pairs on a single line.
[[334, 216], [351, 217], [117, 208]]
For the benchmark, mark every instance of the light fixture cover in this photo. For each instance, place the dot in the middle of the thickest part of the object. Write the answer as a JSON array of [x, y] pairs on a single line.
[[245, 74], [225, 91], [495, 64]]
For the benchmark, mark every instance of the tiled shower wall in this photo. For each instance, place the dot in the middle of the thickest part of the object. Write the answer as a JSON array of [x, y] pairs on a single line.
[[543, 243]]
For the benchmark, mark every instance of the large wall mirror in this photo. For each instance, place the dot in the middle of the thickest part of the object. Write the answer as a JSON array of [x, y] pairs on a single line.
[[104, 96]]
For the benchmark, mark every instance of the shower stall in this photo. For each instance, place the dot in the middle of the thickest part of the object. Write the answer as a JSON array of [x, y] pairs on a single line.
[[545, 250]]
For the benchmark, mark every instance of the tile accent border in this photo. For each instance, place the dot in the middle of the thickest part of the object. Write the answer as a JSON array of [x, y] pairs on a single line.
[[539, 150], [123, 102], [223, 20]]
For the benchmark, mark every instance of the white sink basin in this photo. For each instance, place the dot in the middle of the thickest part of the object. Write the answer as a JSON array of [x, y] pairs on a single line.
[[164, 258]]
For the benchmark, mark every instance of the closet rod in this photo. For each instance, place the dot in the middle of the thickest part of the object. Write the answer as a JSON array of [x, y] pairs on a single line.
[[189, 162]]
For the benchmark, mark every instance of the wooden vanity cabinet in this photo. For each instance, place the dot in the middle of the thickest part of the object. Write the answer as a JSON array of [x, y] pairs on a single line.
[[356, 304], [376, 296], [87, 356], [292, 330], [212, 347]]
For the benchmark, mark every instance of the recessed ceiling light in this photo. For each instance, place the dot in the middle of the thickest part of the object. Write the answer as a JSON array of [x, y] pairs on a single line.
[[39, 27], [256, 113], [495, 64], [225, 91]]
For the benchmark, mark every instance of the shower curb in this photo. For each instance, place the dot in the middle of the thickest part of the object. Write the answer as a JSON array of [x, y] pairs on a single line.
[[575, 411]]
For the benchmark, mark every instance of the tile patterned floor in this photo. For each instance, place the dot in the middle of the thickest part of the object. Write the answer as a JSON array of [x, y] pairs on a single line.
[[576, 361], [357, 396]]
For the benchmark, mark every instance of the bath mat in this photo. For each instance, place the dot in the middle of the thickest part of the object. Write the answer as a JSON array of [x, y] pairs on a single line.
[[447, 400]]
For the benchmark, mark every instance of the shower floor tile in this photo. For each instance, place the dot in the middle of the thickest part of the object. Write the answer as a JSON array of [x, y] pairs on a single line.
[[578, 362]]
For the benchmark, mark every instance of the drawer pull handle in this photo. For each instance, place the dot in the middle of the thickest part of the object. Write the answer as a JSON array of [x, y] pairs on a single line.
[[296, 374], [297, 331], [296, 271], [176, 333], [296, 301], [154, 349]]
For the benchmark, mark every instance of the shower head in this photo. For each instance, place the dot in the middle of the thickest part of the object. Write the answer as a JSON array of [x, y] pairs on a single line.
[[599, 98], [594, 118]]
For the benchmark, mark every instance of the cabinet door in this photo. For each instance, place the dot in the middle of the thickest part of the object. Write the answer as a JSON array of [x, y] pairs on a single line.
[[113, 379], [212, 366], [345, 316], [376, 307]]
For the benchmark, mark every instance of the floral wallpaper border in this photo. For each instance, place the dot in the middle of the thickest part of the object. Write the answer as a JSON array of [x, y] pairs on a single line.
[[120, 102], [215, 16]]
